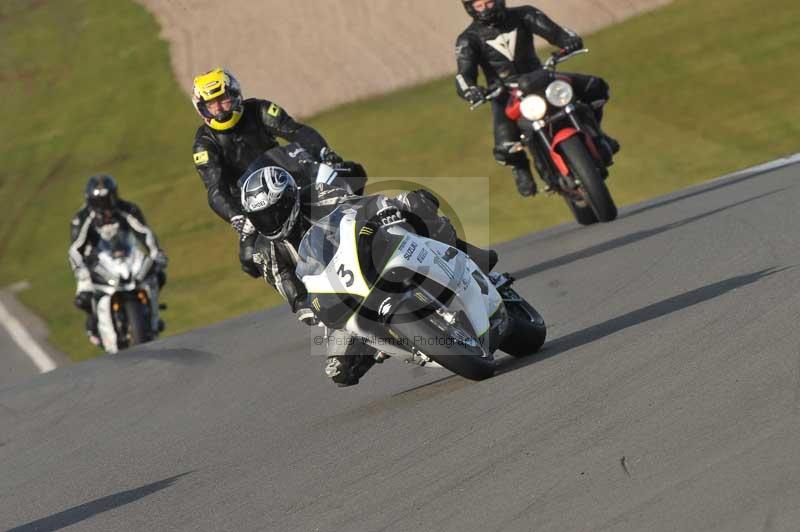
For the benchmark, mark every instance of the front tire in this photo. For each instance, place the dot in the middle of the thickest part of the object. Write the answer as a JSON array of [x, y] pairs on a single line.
[[584, 169], [434, 337], [527, 329], [583, 214], [137, 329]]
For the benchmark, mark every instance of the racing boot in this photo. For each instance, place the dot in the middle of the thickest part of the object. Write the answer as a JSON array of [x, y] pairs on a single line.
[[91, 330], [347, 370], [613, 144], [611, 147], [523, 177], [546, 174], [349, 358], [607, 146]]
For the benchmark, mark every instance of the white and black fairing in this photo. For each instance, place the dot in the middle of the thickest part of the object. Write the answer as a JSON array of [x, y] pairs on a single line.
[[116, 263], [119, 270], [393, 287]]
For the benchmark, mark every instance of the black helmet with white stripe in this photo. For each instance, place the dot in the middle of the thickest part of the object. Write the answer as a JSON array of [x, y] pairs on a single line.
[[101, 193], [271, 201]]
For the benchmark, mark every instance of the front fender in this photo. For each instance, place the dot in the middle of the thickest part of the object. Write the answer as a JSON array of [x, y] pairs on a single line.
[[561, 136]]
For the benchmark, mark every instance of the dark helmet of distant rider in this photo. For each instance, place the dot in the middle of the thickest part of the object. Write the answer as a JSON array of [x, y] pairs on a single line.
[[485, 11], [101, 194]]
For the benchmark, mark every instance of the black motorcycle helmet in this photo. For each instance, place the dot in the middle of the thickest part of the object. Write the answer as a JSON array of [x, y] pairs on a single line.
[[491, 15], [271, 201], [101, 193]]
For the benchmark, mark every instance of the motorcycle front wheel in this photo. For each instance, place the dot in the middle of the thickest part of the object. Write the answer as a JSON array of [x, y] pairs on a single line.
[[528, 330], [137, 328], [583, 214], [447, 344], [584, 170]]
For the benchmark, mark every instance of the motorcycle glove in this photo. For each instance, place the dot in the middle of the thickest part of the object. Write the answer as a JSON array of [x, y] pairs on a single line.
[[573, 43], [330, 157], [389, 215], [162, 260], [475, 94], [242, 225]]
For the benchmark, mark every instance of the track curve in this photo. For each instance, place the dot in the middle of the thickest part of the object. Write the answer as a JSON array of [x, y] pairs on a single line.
[[667, 399]]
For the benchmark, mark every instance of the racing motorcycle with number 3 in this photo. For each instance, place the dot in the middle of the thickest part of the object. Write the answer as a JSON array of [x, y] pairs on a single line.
[[413, 298], [562, 134]]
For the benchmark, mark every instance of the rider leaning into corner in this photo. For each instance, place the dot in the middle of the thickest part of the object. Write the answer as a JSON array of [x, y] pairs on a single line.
[[234, 133], [500, 42], [282, 198], [103, 208]]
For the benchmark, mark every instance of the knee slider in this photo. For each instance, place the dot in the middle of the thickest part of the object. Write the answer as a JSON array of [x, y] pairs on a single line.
[[251, 269]]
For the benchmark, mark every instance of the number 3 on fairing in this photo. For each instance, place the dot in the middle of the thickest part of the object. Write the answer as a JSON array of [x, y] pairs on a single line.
[[346, 273]]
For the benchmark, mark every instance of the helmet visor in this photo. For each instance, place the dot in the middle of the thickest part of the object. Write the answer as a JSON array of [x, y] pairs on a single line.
[[221, 108], [101, 199], [485, 10], [275, 218]]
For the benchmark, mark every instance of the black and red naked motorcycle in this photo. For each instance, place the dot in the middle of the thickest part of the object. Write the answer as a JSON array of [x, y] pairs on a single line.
[[563, 137]]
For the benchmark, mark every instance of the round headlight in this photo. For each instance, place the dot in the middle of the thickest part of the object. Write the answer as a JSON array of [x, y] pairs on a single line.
[[533, 107], [559, 93]]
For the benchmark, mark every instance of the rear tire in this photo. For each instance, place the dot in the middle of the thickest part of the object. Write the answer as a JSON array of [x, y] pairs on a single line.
[[584, 169]]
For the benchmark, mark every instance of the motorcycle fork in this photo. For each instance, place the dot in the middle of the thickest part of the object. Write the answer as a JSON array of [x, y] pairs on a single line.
[[534, 139], [120, 322], [144, 299], [564, 185], [570, 110], [589, 136]]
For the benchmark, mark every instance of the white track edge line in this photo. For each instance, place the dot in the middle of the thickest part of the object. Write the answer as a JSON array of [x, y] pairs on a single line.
[[21, 336]]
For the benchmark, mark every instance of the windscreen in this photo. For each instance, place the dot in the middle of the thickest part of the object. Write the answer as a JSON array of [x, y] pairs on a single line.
[[320, 243]]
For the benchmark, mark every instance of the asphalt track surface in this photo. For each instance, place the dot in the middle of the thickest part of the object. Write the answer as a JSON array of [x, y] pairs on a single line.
[[15, 366], [666, 399]]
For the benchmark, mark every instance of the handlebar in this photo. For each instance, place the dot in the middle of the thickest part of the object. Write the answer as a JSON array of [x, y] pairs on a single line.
[[491, 96], [557, 58], [550, 64]]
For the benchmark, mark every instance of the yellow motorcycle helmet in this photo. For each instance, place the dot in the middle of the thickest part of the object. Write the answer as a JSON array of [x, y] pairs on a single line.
[[212, 85]]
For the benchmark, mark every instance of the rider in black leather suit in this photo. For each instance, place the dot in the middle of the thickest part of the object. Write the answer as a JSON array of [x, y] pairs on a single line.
[[500, 41], [232, 137]]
